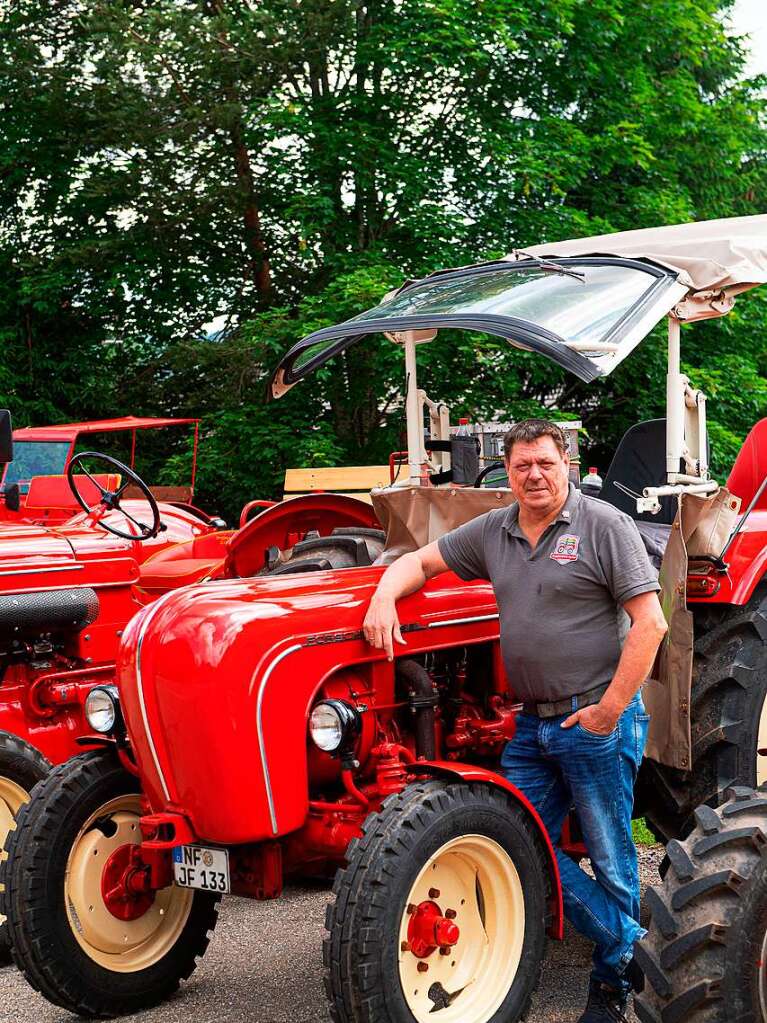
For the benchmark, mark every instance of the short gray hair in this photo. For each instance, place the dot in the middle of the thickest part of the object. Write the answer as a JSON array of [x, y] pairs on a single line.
[[531, 429]]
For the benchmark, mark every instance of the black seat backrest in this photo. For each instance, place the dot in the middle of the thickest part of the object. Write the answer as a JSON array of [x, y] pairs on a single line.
[[640, 461]]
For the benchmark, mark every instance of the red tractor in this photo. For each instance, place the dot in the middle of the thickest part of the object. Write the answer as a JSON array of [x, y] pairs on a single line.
[[254, 735], [67, 592], [33, 485]]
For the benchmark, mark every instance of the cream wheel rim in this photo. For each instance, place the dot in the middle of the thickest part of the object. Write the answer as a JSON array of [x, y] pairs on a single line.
[[122, 946], [761, 743], [474, 882], [12, 798]]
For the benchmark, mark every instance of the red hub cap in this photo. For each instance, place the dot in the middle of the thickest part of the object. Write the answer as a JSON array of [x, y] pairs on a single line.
[[429, 930], [124, 884]]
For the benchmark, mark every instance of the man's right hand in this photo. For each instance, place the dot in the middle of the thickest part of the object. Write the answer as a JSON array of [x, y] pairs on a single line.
[[406, 575], [381, 625]]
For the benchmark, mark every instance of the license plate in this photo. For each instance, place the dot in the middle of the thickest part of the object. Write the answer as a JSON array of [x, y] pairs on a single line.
[[198, 866]]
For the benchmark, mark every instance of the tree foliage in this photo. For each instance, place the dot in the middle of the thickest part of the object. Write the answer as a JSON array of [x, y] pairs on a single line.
[[282, 164]]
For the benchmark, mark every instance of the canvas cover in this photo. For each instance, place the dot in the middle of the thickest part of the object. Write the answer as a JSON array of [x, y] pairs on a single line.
[[716, 259]]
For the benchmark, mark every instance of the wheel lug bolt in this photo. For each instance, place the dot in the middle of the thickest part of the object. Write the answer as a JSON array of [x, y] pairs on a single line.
[[434, 893], [450, 914], [405, 946], [411, 909], [423, 967]]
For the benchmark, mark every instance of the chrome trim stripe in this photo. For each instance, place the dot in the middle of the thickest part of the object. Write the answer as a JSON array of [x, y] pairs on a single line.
[[259, 727], [462, 621], [140, 688], [40, 571]]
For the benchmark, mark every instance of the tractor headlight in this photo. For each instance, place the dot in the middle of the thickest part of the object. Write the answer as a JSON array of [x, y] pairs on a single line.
[[334, 725], [102, 708]]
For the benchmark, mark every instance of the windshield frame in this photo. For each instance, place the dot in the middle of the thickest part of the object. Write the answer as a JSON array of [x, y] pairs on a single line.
[[520, 333]]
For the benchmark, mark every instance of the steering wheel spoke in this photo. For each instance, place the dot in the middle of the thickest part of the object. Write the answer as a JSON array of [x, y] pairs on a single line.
[[102, 490], [110, 500]]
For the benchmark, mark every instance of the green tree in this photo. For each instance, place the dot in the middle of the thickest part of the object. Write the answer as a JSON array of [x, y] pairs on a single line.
[[285, 163]]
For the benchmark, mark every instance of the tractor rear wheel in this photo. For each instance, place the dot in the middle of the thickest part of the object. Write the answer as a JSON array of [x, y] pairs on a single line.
[[728, 719], [21, 768], [440, 914], [79, 939], [345, 547], [705, 954]]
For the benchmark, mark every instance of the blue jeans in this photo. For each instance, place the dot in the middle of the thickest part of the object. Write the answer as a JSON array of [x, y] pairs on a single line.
[[560, 768]]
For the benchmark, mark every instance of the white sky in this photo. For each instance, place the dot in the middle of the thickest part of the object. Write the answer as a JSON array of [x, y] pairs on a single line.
[[749, 17]]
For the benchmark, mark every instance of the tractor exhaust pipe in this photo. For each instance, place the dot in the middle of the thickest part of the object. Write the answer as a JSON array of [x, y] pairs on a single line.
[[423, 699]]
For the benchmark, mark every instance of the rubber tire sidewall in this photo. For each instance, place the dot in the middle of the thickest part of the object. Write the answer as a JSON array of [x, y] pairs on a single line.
[[500, 823], [23, 764], [48, 930]]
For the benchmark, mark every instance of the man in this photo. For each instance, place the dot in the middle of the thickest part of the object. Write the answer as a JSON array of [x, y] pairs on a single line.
[[562, 566]]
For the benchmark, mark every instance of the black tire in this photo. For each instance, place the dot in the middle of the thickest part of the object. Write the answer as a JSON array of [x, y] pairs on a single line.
[[703, 955], [346, 547], [44, 944], [729, 689], [23, 766], [362, 950]]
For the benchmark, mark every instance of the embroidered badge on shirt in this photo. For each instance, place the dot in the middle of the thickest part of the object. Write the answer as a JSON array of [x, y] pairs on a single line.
[[566, 548]]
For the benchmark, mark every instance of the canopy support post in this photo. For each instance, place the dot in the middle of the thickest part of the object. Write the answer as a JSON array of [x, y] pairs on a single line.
[[675, 386], [686, 437], [415, 450]]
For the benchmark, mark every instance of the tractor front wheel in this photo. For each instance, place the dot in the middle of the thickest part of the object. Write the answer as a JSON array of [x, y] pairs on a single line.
[[705, 954], [440, 914], [85, 949], [21, 768]]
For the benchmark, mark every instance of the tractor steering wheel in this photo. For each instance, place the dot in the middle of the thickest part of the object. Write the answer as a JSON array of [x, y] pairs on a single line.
[[486, 472], [110, 500]]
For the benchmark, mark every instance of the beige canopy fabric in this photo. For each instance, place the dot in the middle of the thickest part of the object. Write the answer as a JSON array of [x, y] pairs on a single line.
[[716, 259]]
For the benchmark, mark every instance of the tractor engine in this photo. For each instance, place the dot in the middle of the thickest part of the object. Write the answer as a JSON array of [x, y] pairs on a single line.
[[42, 668], [370, 727]]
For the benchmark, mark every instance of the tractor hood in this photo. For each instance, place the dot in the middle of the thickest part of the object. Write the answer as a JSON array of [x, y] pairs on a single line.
[[584, 303], [26, 550], [36, 557]]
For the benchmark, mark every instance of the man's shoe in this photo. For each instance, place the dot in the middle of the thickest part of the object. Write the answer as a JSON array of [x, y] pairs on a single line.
[[605, 1005]]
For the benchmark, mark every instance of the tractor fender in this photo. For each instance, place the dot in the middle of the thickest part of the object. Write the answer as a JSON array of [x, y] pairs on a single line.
[[471, 773], [284, 523]]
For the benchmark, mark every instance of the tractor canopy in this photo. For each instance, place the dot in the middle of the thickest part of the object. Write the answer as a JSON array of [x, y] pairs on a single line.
[[584, 303]]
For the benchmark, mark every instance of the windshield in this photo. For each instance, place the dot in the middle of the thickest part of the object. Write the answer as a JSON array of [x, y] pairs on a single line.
[[36, 458], [585, 313], [580, 307]]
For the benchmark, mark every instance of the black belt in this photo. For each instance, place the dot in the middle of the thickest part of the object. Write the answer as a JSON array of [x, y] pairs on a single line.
[[555, 708]]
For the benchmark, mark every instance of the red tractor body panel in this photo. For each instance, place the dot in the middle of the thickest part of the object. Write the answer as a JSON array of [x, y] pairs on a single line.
[[225, 673], [747, 563], [42, 694], [41, 698]]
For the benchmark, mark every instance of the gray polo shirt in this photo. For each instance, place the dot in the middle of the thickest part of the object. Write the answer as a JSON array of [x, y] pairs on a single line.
[[560, 604]]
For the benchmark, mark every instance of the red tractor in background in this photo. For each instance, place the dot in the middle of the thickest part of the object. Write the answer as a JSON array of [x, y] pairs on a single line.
[[253, 734], [68, 591], [33, 486]]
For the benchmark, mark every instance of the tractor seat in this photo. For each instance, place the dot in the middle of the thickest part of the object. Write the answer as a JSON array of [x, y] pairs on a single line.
[[183, 563], [160, 576]]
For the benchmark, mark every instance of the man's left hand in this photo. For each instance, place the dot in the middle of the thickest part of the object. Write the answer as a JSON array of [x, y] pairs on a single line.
[[597, 719]]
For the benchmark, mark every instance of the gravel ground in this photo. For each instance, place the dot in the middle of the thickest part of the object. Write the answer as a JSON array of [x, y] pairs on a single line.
[[265, 966]]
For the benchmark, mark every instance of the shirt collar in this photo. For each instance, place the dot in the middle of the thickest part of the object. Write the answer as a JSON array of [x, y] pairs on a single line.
[[566, 513]]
